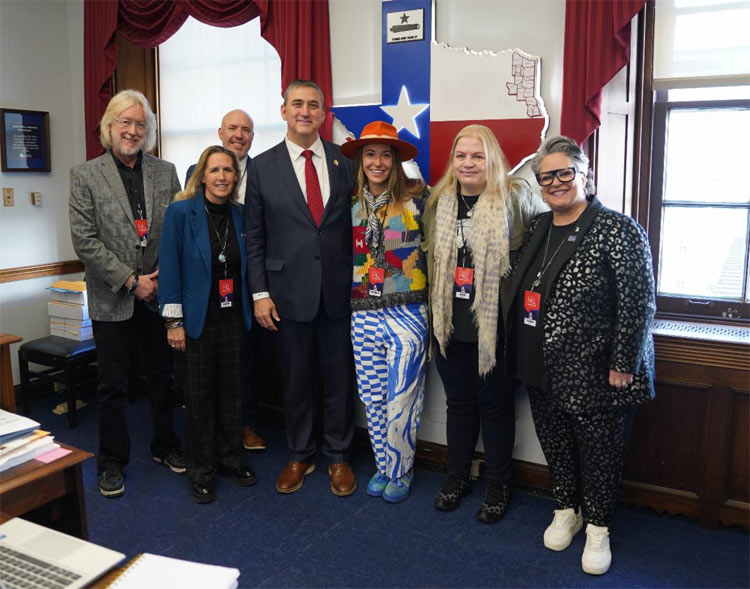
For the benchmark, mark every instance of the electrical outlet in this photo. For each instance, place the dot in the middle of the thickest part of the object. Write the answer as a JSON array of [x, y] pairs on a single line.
[[8, 197], [35, 198]]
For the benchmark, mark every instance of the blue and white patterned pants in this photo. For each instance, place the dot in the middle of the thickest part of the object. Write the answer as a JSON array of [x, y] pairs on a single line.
[[390, 350]]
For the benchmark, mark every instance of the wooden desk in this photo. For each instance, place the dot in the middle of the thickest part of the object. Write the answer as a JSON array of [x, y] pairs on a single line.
[[7, 394], [48, 494]]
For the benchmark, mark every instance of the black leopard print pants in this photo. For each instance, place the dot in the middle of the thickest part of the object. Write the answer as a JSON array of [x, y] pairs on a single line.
[[585, 454]]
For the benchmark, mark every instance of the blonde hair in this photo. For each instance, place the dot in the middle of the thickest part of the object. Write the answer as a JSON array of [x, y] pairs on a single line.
[[498, 182], [196, 178], [399, 188], [120, 102]]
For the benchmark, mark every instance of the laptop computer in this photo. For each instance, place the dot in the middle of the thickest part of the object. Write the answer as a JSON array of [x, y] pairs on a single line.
[[34, 556]]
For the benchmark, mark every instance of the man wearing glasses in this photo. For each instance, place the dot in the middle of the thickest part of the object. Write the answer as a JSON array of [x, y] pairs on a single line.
[[117, 205]]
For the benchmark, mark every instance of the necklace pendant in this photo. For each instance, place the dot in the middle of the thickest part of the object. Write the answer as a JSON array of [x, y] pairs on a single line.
[[222, 258], [469, 213]]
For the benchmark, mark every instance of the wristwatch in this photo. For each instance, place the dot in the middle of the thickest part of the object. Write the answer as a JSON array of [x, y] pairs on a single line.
[[133, 284]]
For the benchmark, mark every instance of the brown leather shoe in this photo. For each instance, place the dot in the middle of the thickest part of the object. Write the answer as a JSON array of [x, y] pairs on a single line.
[[343, 482], [251, 440], [293, 475]]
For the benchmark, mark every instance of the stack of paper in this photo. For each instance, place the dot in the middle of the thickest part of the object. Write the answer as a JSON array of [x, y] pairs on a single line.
[[20, 440], [69, 310]]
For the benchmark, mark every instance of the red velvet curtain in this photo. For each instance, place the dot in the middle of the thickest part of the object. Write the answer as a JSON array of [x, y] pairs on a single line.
[[597, 46], [298, 29]]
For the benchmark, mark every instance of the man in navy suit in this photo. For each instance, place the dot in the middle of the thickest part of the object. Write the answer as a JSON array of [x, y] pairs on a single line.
[[236, 133], [299, 268]]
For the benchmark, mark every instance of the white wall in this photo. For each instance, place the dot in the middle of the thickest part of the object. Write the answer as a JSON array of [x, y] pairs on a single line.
[[536, 26], [41, 67]]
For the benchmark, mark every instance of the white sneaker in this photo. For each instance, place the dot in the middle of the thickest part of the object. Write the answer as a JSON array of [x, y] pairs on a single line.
[[596, 555], [560, 532]]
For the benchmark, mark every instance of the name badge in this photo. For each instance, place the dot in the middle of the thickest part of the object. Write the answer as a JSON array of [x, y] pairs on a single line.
[[141, 226], [464, 283], [532, 302], [377, 279], [226, 292]]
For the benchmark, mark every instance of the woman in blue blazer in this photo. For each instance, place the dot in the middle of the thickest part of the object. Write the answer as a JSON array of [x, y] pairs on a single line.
[[204, 300]]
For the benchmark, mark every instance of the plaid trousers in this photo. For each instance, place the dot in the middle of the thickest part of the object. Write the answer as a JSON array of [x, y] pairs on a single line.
[[211, 375]]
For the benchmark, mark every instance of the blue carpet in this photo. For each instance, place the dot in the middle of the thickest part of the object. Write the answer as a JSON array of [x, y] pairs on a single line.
[[313, 539]]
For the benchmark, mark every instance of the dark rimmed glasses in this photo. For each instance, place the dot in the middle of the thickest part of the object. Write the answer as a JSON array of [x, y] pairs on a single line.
[[563, 175]]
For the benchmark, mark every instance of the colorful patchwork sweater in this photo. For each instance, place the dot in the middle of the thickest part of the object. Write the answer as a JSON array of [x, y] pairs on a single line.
[[399, 254]]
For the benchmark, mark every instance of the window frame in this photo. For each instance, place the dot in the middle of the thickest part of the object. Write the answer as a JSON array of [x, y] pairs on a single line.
[[685, 307]]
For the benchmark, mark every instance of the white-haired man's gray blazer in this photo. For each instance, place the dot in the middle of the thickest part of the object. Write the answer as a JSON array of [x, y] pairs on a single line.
[[107, 242], [104, 234]]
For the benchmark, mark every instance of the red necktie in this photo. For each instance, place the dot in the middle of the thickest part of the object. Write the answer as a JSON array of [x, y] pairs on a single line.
[[314, 196]]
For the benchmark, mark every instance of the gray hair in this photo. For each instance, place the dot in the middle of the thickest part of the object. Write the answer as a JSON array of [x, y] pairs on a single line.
[[304, 84], [120, 102], [566, 146]]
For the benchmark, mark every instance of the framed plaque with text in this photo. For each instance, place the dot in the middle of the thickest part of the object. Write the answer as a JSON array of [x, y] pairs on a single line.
[[25, 140]]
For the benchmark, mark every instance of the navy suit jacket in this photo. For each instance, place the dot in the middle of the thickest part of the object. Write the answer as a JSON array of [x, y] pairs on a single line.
[[185, 262], [287, 254]]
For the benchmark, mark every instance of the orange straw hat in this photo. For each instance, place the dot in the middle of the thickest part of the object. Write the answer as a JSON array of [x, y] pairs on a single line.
[[379, 132]]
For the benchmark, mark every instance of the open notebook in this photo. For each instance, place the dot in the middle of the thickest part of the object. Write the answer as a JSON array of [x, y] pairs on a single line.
[[151, 570]]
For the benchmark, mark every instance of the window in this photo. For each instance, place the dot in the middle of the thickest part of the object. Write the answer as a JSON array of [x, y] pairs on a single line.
[[204, 72], [700, 213]]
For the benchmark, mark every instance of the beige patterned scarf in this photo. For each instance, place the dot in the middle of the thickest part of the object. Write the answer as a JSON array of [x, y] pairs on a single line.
[[488, 241]]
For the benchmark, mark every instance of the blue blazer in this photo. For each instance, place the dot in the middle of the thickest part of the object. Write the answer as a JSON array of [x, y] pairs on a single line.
[[185, 261]]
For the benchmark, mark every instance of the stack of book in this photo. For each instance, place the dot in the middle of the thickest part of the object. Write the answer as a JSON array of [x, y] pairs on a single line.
[[21, 440], [69, 310]]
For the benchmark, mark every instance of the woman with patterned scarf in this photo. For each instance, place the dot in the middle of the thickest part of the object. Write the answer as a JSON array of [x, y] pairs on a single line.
[[389, 303], [475, 219]]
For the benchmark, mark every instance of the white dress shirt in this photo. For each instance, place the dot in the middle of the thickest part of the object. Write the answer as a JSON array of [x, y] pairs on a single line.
[[318, 159], [242, 182]]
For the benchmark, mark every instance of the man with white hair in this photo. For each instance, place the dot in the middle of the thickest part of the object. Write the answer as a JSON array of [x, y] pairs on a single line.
[[117, 205]]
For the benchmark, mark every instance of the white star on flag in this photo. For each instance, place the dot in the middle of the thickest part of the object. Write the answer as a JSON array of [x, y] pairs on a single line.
[[405, 113]]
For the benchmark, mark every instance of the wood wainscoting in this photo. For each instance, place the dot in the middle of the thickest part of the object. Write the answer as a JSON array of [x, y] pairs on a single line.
[[40, 270], [690, 451]]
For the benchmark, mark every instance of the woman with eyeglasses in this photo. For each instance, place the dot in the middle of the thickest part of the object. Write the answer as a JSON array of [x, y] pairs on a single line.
[[204, 300], [475, 220], [580, 339]]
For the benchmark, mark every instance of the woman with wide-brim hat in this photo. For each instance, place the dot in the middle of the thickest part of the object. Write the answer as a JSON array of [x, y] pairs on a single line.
[[389, 303]]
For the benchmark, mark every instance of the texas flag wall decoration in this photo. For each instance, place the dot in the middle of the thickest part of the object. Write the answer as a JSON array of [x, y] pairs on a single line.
[[430, 91]]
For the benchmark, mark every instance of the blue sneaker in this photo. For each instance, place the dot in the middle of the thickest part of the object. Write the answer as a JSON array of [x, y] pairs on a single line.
[[398, 490], [377, 484]]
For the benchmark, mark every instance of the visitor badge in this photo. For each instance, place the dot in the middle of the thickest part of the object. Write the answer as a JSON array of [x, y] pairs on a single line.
[[141, 226], [226, 292], [531, 303], [464, 282], [377, 278]]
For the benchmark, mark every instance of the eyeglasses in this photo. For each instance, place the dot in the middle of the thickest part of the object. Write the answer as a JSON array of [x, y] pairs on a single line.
[[125, 124], [563, 175]]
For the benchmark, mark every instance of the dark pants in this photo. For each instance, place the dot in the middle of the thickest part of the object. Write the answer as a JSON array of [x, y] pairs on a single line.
[[585, 454], [323, 347], [114, 342], [474, 401], [211, 369], [251, 348]]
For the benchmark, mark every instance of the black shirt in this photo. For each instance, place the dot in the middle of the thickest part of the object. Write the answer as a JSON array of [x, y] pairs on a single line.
[[529, 342], [223, 239], [464, 328], [132, 180]]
